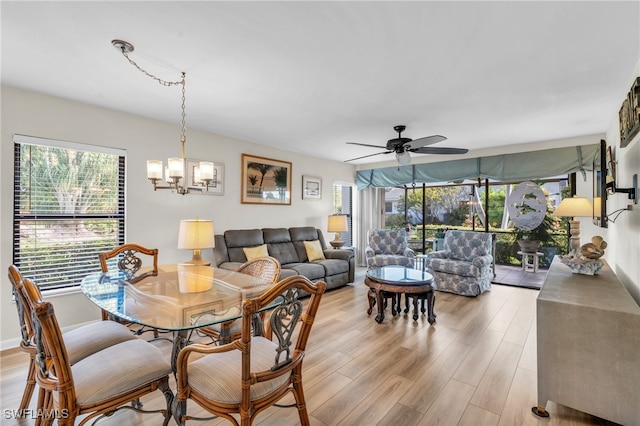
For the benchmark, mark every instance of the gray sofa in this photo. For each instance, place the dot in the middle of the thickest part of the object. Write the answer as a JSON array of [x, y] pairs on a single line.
[[287, 245]]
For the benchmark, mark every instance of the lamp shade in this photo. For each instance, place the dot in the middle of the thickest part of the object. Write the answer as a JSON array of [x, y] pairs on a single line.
[[154, 169], [337, 223], [195, 234], [574, 207]]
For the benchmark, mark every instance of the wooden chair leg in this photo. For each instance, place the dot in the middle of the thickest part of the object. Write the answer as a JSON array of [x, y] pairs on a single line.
[[29, 386]]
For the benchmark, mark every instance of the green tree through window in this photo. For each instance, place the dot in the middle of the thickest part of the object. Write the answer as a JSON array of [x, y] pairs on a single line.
[[68, 207]]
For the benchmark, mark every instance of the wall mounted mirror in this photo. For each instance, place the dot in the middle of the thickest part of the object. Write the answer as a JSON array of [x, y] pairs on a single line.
[[600, 186]]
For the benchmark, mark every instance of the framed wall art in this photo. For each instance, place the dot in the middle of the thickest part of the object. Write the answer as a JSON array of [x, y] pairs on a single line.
[[215, 187], [265, 181], [629, 115], [311, 188]]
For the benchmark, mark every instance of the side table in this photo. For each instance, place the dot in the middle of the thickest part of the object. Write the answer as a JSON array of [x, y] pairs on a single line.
[[530, 260]]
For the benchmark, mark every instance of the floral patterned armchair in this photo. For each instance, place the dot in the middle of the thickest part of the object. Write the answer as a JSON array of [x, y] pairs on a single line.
[[465, 265], [388, 247]]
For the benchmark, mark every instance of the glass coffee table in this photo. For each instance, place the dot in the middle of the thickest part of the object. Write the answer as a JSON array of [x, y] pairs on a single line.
[[391, 281]]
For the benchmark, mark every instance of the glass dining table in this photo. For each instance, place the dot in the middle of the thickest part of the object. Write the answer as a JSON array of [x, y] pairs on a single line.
[[179, 299]]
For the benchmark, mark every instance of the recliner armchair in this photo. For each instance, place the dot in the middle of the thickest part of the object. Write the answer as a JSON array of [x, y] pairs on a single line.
[[465, 265], [388, 247]]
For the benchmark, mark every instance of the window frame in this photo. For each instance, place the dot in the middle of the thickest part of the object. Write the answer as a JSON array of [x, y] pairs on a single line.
[[72, 281]]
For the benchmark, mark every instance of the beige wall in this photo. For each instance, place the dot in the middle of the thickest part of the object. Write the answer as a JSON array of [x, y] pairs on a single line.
[[152, 217], [623, 236]]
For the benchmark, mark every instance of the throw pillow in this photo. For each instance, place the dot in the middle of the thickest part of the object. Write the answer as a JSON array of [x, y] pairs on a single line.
[[314, 250], [255, 252]]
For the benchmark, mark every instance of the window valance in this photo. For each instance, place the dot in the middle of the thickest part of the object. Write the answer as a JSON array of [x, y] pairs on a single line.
[[506, 167]]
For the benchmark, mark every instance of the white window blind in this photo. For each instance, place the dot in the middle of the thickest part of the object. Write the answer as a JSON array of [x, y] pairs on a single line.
[[68, 206]]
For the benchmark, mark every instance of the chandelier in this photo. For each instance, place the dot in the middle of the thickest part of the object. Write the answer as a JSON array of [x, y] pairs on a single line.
[[174, 173]]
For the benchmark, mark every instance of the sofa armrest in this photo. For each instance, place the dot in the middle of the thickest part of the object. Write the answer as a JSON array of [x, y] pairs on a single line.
[[482, 261], [338, 254], [347, 255], [438, 254], [369, 252], [409, 253]]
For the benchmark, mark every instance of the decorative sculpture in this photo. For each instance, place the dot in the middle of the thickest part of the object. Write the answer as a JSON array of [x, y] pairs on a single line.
[[587, 259], [594, 249]]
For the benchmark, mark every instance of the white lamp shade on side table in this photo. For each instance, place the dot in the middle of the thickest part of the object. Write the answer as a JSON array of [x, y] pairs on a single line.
[[195, 234]]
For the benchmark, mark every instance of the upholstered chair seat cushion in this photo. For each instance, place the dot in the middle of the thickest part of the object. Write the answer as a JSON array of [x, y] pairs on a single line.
[[218, 376], [390, 259], [91, 338], [117, 370], [458, 267]]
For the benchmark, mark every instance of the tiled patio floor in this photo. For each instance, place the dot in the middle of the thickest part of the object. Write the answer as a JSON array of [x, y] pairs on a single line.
[[515, 276]]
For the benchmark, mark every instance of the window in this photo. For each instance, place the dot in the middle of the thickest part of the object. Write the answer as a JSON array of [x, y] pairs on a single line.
[[68, 206], [342, 204]]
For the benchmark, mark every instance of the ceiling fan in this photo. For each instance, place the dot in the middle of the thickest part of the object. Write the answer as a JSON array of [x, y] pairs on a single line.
[[403, 146]]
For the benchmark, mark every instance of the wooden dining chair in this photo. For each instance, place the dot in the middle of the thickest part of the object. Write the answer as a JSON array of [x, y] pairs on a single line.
[[253, 373], [129, 261], [126, 258], [100, 384], [81, 342], [267, 268]]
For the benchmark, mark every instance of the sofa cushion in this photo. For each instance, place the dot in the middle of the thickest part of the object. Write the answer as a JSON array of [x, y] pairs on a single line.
[[314, 251], [255, 252], [333, 266], [313, 271], [305, 233], [280, 245], [238, 239]]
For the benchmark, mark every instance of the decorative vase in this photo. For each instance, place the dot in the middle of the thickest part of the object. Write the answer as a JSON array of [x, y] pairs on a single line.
[[529, 246]]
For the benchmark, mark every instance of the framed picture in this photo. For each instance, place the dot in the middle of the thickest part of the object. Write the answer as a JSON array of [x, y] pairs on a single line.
[[265, 181], [215, 187], [311, 188], [629, 115]]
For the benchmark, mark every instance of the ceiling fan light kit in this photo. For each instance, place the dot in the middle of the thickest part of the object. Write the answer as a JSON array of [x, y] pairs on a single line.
[[403, 146], [404, 159]]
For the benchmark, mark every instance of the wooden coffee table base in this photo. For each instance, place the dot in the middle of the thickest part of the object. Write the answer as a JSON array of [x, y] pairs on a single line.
[[380, 292]]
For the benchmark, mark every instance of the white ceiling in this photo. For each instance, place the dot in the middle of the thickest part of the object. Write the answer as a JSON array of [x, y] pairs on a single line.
[[310, 76]]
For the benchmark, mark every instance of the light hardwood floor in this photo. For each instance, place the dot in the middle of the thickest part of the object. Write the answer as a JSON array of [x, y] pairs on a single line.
[[475, 366]]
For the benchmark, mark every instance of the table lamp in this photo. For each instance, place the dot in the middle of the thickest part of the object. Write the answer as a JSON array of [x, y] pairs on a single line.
[[337, 223], [574, 207], [195, 235]]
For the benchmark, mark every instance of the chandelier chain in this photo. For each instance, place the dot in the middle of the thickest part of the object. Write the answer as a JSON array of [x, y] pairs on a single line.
[[148, 74], [165, 83], [184, 127]]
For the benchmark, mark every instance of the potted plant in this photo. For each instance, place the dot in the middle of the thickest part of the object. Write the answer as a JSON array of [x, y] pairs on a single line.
[[531, 240]]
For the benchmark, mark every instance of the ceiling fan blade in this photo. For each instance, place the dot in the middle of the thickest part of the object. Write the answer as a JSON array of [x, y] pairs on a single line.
[[364, 144], [439, 150], [370, 155], [428, 140]]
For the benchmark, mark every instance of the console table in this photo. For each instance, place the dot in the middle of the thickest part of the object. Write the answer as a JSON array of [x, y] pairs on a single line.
[[588, 345]]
